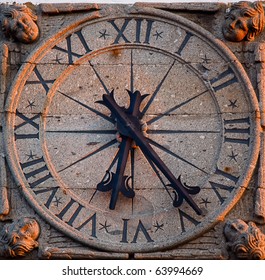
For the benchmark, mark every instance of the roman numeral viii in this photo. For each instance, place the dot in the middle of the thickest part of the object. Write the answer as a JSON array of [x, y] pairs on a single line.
[[38, 171], [72, 210]]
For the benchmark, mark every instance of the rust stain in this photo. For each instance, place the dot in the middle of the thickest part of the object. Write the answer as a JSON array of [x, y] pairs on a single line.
[[116, 52], [227, 169]]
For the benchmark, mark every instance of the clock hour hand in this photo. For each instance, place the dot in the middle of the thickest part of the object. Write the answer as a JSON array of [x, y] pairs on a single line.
[[117, 182], [129, 125]]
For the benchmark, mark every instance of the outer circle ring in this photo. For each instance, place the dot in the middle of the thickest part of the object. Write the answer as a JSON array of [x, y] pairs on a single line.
[[40, 52]]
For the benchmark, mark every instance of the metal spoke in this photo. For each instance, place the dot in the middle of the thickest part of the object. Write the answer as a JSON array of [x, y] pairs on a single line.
[[154, 143], [84, 131], [99, 78], [156, 90], [174, 108], [169, 131], [100, 149], [88, 107]]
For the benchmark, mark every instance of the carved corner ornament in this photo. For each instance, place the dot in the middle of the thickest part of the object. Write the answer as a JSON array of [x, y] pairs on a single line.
[[243, 21], [19, 238], [19, 23], [246, 241]]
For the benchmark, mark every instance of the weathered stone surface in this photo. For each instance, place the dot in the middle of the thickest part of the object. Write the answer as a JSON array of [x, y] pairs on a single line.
[[53, 9], [195, 7]]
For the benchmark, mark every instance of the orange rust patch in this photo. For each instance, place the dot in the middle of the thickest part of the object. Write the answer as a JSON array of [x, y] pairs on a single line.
[[116, 52], [228, 169]]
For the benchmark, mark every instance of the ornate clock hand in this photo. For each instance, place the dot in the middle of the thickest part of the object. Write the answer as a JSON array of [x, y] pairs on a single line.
[[129, 126], [119, 182], [132, 171], [107, 174], [182, 192]]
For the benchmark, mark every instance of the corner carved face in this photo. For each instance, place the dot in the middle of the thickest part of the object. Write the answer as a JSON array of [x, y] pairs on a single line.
[[20, 26], [244, 21], [19, 238], [245, 240]]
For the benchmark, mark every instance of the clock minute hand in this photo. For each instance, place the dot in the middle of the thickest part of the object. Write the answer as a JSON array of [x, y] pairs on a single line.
[[129, 126], [182, 191]]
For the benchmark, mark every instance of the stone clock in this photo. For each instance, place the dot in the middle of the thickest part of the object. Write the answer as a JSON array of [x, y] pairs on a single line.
[[132, 131]]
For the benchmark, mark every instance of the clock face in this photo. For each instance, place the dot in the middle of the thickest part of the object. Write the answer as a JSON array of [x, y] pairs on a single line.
[[132, 133]]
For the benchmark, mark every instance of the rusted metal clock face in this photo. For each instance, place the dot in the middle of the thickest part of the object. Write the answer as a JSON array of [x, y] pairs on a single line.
[[132, 133]]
